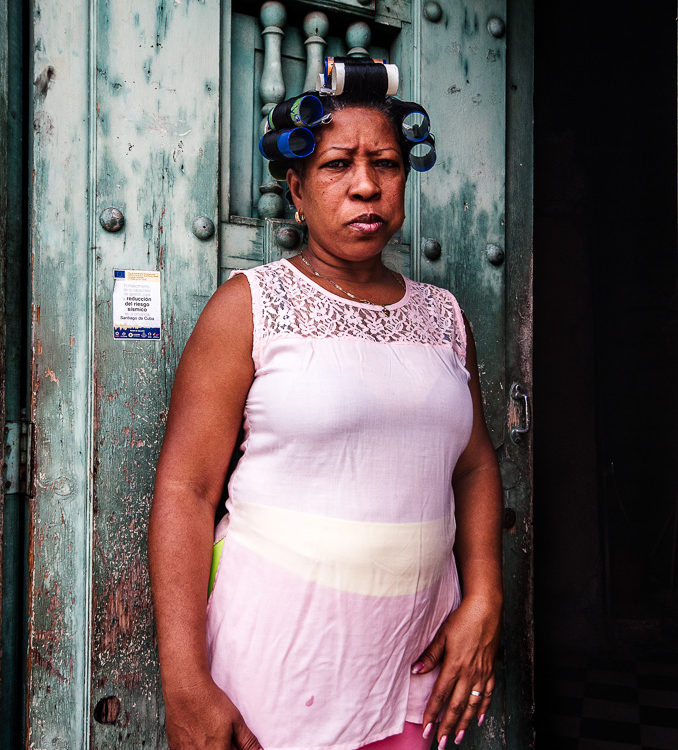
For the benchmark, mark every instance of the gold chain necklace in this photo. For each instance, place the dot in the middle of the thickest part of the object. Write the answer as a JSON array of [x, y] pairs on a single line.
[[384, 309]]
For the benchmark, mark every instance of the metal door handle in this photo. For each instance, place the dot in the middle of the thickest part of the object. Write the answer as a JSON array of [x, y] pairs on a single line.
[[518, 394]]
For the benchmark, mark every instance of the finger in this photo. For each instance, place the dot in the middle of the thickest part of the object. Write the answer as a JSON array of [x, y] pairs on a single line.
[[440, 695], [472, 709], [450, 729], [487, 698], [243, 738], [430, 657]]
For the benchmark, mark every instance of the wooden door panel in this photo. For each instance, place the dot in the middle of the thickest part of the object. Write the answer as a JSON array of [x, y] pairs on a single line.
[[157, 96], [60, 512], [463, 72]]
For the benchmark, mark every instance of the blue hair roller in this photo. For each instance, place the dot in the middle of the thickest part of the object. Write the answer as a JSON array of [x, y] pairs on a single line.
[[287, 144], [422, 155]]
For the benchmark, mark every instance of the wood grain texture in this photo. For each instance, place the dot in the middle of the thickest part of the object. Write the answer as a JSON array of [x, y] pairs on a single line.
[[463, 80], [157, 107], [61, 250]]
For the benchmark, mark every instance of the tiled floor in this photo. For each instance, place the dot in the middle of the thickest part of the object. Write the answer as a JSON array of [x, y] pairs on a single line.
[[608, 704]]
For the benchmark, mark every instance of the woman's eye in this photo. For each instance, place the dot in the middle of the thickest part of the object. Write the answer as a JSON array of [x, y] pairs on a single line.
[[336, 164], [388, 164]]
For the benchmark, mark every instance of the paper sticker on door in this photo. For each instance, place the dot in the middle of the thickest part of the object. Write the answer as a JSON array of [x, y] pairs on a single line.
[[136, 304]]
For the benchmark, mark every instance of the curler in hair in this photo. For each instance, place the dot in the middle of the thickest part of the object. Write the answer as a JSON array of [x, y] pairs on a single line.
[[306, 109], [287, 144], [416, 124], [362, 77], [278, 170], [422, 155]]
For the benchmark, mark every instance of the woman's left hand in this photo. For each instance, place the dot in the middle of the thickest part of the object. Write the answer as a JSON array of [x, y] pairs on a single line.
[[465, 646]]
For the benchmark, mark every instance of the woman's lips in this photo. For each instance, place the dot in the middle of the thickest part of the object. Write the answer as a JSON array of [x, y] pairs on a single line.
[[367, 223]]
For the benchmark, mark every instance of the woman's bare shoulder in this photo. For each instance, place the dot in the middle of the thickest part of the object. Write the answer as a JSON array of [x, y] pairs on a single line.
[[223, 333]]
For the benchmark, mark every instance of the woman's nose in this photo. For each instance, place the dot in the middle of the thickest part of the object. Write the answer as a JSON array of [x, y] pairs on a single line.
[[365, 185]]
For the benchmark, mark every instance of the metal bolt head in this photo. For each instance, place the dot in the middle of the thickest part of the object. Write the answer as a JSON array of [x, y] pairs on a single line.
[[287, 237], [203, 227], [431, 248], [270, 205], [432, 11], [494, 254], [509, 519], [111, 219], [496, 27]]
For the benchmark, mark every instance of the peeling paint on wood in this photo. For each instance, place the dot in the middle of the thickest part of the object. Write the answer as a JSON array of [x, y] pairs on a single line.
[[157, 146], [58, 628]]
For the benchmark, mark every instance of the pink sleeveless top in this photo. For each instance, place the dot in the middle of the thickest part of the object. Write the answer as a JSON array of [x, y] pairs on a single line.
[[337, 566]]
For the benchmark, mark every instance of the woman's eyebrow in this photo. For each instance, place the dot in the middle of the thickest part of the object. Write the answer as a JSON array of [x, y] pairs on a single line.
[[352, 150]]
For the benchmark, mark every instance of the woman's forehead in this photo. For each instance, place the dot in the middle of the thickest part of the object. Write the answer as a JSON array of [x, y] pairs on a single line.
[[354, 126]]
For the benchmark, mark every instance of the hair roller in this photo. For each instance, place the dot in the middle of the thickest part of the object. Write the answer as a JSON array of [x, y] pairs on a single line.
[[287, 144], [305, 110], [415, 124], [422, 155], [363, 77]]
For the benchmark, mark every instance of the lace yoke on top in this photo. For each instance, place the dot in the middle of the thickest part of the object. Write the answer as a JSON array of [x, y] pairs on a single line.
[[286, 302]]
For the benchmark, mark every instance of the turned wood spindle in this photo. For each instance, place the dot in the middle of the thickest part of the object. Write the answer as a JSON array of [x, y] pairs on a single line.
[[271, 91], [358, 38], [316, 26]]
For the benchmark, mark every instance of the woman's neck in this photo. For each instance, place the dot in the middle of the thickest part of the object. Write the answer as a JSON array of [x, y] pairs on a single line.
[[362, 271]]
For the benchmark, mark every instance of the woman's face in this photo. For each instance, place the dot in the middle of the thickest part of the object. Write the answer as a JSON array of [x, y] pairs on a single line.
[[352, 188]]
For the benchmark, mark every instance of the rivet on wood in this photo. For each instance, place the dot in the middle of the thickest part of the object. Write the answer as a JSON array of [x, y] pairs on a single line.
[[287, 237], [203, 227], [432, 11], [494, 254], [509, 520], [496, 27], [111, 219], [431, 248]]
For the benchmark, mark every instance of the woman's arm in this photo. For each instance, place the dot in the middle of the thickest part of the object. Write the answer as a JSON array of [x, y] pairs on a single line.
[[466, 644], [206, 407]]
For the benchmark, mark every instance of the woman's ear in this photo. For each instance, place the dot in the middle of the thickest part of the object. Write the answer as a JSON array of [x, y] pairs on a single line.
[[294, 184]]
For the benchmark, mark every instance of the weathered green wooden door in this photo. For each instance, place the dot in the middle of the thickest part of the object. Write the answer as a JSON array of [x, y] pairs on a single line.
[[146, 120]]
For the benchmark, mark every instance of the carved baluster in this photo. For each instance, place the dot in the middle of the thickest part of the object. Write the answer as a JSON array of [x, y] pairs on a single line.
[[272, 91], [358, 38], [316, 27]]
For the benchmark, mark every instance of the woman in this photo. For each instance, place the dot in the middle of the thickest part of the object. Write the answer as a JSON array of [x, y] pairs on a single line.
[[336, 619]]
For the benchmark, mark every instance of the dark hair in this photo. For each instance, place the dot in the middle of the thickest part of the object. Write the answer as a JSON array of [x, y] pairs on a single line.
[[348, 100]]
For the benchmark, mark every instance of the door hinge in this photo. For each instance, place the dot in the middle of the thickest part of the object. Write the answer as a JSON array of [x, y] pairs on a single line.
[[17, 475]]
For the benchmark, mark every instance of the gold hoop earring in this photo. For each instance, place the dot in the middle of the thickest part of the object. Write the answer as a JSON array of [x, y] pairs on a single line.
[[299, 217]]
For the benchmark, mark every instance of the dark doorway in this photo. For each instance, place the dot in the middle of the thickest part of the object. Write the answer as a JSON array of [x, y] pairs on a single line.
[[606, 340]]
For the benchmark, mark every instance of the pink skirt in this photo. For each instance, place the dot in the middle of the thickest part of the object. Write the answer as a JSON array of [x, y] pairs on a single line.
[[409, 739]]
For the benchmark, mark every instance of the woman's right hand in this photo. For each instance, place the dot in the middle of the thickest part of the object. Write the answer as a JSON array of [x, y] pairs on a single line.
[[201, 717]]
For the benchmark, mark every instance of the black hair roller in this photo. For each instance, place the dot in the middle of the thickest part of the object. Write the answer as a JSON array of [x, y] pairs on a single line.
[[422, 155], [287, 144], [415, 124], [363, 78], [278, 170], [306, 109]]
